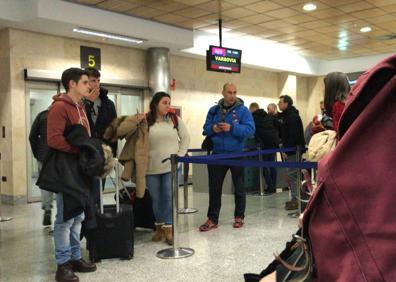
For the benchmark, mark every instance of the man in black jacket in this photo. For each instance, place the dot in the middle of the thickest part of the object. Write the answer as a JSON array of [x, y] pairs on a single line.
[[268, 136], [292, 134], [101, 112], [38, 143]]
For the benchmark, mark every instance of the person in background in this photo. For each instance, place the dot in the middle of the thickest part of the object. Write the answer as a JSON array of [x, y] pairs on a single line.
[[336, 91], [292, 136], [268, 136], [101, 112], [68, 109], [38, 143], [228, 124], [315, 125], [272, 109], [167, 135]]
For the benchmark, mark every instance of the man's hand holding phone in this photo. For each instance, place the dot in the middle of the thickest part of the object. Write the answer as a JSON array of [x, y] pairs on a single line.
[[226, 127]]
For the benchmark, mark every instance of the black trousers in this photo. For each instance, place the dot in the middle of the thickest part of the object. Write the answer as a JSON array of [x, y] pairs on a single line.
[[216, 178]]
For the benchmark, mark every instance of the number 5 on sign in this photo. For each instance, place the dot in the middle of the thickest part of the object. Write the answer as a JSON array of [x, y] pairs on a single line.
[[91, 61], [90, 57]]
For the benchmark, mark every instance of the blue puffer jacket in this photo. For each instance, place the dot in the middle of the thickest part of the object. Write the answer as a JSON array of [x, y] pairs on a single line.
[[242, 126]]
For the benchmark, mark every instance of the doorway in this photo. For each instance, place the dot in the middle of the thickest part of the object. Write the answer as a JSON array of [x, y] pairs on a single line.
[[39, 98]]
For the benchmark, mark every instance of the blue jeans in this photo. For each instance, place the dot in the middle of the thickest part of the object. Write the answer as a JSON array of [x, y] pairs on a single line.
[[160, 188], [66, 234]]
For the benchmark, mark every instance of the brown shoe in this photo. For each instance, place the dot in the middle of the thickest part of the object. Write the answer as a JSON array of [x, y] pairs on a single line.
[[159, 233], [168, 232], [291, 205], [82, 266], [65, 273]]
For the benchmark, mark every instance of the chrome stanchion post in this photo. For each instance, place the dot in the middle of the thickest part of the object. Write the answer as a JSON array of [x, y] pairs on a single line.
[[186, 209], [2, 218], [261, 173], [176, 251], [298, 158], [313, 176]]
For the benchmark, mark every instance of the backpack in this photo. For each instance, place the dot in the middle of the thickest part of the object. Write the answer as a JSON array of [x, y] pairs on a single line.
[[173, 117], [207, 143]]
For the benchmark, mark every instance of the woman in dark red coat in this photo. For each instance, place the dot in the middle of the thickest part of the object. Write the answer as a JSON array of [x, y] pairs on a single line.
[[351, 218], [336, 91]]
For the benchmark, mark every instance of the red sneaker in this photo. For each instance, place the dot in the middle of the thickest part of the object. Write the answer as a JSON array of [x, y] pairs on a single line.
[[238, 222], [208, 225]]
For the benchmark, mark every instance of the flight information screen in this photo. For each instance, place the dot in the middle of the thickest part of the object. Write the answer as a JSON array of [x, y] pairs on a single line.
[[223, 59]]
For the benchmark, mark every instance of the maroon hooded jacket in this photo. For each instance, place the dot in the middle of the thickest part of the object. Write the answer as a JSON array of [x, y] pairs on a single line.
[[351, 218], [63, 113]]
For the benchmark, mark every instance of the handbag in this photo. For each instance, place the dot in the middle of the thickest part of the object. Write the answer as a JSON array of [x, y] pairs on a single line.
[[298, 267], [295, 263], [207, 144]]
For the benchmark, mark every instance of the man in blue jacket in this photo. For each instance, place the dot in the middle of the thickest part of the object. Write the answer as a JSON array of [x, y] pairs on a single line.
[[228, 124]]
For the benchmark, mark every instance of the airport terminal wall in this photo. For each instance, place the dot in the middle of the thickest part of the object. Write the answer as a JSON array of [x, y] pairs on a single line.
[[195, 91]]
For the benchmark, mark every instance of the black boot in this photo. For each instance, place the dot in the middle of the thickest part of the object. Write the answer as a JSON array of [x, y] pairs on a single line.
[[47, 218], [82, 266], [65, 273]]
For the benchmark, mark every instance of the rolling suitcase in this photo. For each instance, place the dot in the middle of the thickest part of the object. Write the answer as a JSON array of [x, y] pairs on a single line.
[[113, 237]]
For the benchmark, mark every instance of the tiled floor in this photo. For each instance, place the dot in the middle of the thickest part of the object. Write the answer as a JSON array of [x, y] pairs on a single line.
[[224, 254]]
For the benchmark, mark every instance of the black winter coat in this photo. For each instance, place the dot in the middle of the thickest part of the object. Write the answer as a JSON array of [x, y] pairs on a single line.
[[38, 136], [266, 131], [106, 114], [292, 132], [72, 174]]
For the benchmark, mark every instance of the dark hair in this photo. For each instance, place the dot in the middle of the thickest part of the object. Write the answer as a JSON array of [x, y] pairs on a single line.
[[92, 72], [287, 99], [336, 89], [74, 74], [152, 114]]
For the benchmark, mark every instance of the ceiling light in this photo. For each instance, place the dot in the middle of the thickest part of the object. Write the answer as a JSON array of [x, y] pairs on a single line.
[[343, 34], [365, 29], [108, 35], [309, 7]]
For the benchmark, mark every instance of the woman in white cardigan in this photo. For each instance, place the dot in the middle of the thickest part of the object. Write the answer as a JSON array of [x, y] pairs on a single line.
[[167, 135]]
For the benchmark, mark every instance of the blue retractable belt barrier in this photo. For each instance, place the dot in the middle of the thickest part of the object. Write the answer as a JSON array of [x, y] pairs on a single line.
[[224, 159], [244, 154], [196, 160], [196, 150]]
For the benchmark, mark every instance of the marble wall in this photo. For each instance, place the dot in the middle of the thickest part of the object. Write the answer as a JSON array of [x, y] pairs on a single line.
[[5, 112], [196, 89]]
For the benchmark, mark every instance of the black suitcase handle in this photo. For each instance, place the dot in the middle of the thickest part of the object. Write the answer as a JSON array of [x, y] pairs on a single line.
[[116, 182]]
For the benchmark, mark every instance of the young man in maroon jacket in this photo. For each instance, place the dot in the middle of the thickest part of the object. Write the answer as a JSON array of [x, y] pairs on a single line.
[[68, 109]]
